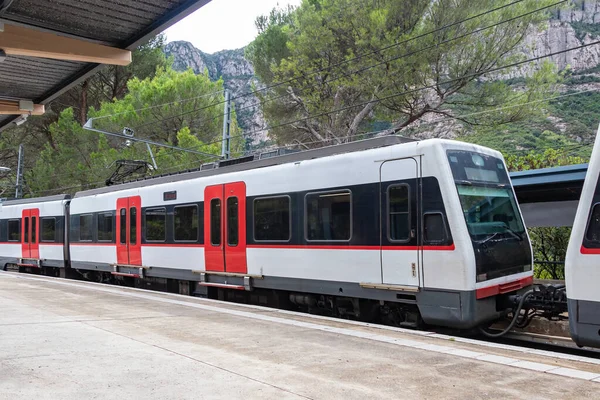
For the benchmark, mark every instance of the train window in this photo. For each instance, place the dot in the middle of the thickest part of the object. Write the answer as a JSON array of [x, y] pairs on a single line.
[[232, 221], [105, 227], [26, 233], [14, 230], [123, 226], [156, 224], [434, 228], [593, 231], [185, 223], [132, 225], [33, 229], [85, 227], [329, 216], [272, 219], [48, 229], [399, 213], [215, 222]]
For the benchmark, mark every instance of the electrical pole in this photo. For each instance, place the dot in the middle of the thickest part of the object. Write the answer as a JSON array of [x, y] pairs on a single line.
[[226, 145], [18, 186]]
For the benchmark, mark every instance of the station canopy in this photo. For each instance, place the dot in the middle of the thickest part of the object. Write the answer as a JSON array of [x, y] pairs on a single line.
[[47, 47]]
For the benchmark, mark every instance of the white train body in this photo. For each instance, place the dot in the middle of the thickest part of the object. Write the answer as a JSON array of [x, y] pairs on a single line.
[[32, 231], [432, 224], [582, 262]]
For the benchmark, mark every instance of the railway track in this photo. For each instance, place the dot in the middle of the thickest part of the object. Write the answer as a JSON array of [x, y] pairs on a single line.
[[558, 344]]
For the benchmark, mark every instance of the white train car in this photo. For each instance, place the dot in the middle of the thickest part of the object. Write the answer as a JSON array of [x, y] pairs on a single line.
[[582, 262], [425, 230], [32, 232]]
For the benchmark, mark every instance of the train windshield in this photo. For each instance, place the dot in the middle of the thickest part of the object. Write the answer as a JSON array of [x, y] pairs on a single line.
[[491, 213]]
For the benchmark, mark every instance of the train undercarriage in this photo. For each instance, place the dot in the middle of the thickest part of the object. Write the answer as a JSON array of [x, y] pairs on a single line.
[[547, 301]]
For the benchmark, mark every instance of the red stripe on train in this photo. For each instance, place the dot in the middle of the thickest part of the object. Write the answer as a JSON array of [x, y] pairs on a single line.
[[289, 246], [342, 247], [585, 250], [504, 288]]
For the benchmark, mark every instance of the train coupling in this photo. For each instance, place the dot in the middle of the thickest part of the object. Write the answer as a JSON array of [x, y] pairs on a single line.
[[546, 300]]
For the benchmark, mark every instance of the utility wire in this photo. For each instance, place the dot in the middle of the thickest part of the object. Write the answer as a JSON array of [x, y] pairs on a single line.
[[416, 90], [275, 85], [159, 105], [358, 71]]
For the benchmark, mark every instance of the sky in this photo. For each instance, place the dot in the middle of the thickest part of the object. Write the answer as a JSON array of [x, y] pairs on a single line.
[[223, 24]]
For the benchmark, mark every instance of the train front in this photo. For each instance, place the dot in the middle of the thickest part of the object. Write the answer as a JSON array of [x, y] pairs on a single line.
[[501, 247]]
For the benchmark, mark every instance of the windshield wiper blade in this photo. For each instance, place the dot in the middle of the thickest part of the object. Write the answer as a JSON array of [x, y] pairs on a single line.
[[515, 234]]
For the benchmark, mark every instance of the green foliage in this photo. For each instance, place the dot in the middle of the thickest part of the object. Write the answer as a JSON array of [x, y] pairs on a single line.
[[157, 108], [108, 84], [581, 110], [549, 244], [309, 47], [553, 157], [580, 80], [518, 139], [549, 251], [583, 28]]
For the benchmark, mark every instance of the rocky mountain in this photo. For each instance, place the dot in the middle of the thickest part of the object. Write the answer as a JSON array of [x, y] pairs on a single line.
[[238, 78], [567, 29]]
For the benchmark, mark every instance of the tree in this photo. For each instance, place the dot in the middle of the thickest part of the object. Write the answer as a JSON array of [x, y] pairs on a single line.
[[549, 243], [158, 108], [334, 93], [108, 84], [172, 108]]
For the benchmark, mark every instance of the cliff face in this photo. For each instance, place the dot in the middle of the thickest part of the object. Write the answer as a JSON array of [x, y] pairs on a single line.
[[238, 78], [567, 29]]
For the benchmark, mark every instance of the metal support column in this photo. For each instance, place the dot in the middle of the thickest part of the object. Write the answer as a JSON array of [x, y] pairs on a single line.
[[19, 185], [226, 145]]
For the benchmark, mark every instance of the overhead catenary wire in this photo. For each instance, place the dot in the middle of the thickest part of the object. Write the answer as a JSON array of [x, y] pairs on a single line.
[[160, 105], [360, 70], [374, 133], [275, 85], [415, 90]]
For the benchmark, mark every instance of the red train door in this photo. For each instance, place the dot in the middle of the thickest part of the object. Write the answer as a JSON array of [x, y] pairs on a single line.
[[30, 223], [129, 224], [225, 228]]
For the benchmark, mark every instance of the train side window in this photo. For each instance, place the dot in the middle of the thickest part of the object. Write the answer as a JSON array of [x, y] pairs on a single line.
[[123, 226], [272, 219], [132, 225], [232, 221], [399, 213], [593, 231], [14, 230], [85, 227], [156, 224], [434, 228], [328, 216], [33, 229], [185, 223], [26, 233], [105, 227], [215, 222], [48, 227]]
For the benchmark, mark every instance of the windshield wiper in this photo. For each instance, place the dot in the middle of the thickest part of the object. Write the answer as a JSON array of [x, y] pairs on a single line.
[[487, 239], [512, 232]]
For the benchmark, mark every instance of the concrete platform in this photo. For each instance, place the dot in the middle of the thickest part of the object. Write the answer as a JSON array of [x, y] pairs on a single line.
[[63, 339]]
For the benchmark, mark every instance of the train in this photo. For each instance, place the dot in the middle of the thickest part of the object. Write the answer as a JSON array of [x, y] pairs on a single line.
[[582, 261], [415, 233]]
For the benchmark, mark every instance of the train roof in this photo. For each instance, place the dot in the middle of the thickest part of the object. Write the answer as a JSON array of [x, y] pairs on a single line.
[[57, 197], [252, 162]]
